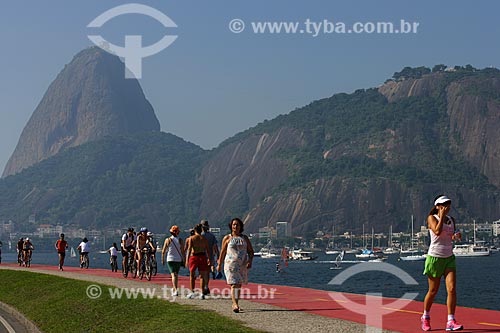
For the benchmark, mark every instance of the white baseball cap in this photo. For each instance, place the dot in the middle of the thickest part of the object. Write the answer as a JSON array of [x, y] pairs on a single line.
[[441, 200]]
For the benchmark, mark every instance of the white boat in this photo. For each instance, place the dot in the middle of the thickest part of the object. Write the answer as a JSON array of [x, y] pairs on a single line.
[[268, 255], [390, 250], [379, 259], [470, 250], [268, 251], [351, 250], [302, 255], [408, 251], [330, 249], [366, 254], [413, 257], [478, 249], [414, 254]]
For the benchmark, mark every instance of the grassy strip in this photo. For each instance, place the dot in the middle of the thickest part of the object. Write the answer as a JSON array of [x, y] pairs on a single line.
[[58, 304]]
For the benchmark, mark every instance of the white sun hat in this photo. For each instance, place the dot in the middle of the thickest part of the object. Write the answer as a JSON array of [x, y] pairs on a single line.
[[441, 200]]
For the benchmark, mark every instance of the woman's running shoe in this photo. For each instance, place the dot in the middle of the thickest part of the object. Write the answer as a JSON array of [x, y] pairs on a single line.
[[426, 324], [452, 325]]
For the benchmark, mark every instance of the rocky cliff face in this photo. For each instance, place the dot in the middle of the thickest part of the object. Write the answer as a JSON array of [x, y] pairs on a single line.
[[90, 99], [247, 175], [473, 107], [475, 118], [241, 172]]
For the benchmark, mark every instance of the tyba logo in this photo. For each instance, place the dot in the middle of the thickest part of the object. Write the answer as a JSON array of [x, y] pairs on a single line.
[[373, 308], [132, 52]]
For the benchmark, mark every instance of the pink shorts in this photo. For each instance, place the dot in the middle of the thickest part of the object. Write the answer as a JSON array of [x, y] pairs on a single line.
[[199, 262]]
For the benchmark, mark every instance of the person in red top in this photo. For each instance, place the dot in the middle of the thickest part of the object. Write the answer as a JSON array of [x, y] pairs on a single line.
[[61, 246]]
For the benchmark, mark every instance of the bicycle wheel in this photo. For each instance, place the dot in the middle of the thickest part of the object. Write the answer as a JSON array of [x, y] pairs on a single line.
[[133, 268], [125, 269], [142, 269], [148, 270], [87, 261], [154, 266]]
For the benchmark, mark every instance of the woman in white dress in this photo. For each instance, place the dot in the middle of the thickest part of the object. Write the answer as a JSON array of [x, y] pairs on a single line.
[[236, 256]]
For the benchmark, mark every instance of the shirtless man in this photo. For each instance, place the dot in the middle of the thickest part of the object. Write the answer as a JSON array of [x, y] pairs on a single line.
[[142, 241], [198, 258]]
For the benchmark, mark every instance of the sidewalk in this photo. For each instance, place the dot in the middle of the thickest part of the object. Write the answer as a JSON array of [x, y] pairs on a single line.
[[291, 309]]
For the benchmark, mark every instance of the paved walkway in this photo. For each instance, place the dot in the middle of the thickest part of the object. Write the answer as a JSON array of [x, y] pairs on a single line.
[[274, 308]]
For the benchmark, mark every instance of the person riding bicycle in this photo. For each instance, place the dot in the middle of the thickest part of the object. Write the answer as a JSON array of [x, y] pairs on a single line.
[[27, 249], [84, 249], [127, 245], [113, 251], [142, 244], [151, 244]]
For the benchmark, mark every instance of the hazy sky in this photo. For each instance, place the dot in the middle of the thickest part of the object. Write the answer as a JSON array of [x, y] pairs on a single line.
[[212, 83]]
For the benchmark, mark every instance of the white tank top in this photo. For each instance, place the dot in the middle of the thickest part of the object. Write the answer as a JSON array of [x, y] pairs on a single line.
[[174, 250], [442, 246]]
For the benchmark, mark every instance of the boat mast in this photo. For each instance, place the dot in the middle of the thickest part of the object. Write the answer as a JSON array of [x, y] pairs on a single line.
[[372, 239], [364, 238], [333, 236], [474, 232], [411, 245], [390, 236]]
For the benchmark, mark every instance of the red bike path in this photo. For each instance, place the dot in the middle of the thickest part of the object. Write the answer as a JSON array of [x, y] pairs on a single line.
[[395, 317]]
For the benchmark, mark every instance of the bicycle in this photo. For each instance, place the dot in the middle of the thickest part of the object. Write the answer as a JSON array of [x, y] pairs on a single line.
[[145, 268], [154, 266], [85, 261], [26, 258], [130, 265], [114, 264]]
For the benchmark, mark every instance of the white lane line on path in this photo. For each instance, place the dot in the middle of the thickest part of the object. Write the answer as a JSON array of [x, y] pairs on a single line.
[[9, 328]]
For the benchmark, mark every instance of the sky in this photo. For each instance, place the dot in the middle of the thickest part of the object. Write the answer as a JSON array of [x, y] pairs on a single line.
[[213, 82]]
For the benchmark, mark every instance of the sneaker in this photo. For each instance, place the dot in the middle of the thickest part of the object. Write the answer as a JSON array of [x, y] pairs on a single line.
[[190, 295], [206, 291], [175, 293], [426, 324], [202, 296], [452, 325]]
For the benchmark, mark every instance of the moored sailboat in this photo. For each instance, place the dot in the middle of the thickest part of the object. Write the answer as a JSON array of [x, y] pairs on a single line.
[[477, 249]]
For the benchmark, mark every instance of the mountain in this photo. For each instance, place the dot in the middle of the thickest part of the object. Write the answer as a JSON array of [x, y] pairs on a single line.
[[375, 157], [142, 179], [89, 100], [372, 157]]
